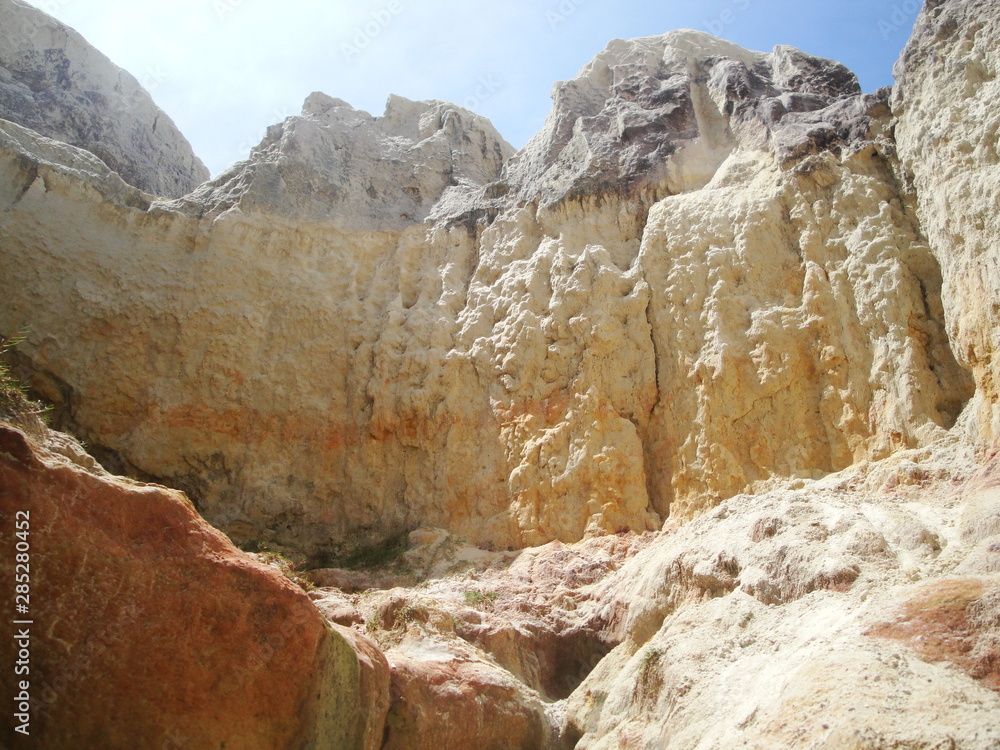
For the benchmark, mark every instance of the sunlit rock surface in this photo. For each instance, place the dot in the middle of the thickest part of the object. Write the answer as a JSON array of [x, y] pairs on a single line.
[[856, 611], [676, 428], [54, 82], [150, 629], [701, 275], [945, 100]]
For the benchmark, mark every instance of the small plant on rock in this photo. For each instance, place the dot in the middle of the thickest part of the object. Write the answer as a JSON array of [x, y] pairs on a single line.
[[288, 568], [15, 406], [480, 599], [375, 556]]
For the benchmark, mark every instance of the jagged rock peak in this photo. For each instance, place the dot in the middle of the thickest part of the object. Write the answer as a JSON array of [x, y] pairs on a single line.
[[665, 111], [54, 82], [344, 166]]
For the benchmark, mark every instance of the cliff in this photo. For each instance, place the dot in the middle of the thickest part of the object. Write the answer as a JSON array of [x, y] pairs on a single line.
[[681, 421], [54, 82], [947, 138], [705, 274]]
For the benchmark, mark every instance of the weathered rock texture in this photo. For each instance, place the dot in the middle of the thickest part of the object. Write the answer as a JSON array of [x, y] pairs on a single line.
[[152, 630], [702, 274], [448, 695], [819, 618], [857, 611], [54, 82], [703, 292], [945, 100]]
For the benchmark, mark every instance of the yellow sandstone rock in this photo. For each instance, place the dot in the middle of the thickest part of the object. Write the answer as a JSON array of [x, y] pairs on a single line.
[[684, 286]]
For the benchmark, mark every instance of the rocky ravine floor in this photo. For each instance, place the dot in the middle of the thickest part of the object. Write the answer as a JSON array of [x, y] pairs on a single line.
[[857, 611], [860, 611]]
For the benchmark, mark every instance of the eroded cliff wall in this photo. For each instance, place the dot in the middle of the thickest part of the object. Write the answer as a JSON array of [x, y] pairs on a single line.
[[706, 272], [945, 100]]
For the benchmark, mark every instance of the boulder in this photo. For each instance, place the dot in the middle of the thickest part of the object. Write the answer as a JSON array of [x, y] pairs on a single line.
[[444, 695], [149, 629], [822, 617]]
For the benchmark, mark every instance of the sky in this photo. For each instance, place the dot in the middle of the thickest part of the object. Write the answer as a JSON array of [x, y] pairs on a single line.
[[224, 70]]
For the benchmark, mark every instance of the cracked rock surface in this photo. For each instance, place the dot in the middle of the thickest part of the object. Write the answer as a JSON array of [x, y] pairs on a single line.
[[676, 428]]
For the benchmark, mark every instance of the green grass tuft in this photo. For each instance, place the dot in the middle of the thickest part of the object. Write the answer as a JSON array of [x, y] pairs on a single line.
[[376, 556], [15, 406], [480, 598]]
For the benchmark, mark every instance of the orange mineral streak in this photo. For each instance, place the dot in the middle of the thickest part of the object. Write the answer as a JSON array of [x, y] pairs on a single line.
[[552, 410], [254, 428], [943, 622], [155, 625]]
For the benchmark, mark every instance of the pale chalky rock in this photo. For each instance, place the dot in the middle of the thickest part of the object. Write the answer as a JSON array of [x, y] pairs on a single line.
[[814, 618], [857, 611], [54, 82], [660, 114], [300, 358], [758, 303], [945, 99], [704, 291], [357, 173], [701, 275]]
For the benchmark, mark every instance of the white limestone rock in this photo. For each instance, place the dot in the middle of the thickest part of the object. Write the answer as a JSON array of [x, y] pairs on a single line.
[[356, 172], [946, 101], [857, 611], [660, 114], [821, 617], [54, 82]]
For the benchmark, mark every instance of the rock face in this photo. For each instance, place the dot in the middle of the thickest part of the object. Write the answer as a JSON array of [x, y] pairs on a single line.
[[857, 611], [947, 135], [821, 618], [357, 174], [708, 308], [152, 630], [450, 696], [54, 82], [701, 275]]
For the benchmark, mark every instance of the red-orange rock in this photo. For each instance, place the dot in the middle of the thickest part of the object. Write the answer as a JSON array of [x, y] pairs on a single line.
[[444, 695], [149, 629], [956, 620]]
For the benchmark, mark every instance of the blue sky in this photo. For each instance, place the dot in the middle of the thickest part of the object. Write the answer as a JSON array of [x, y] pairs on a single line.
[[225, 69]]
